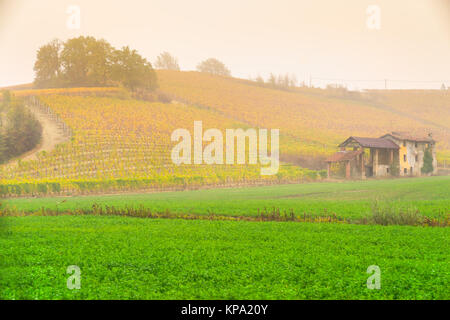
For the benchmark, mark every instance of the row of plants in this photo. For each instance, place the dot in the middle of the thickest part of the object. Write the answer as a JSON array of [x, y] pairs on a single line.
[[18, 188], [380, 215]]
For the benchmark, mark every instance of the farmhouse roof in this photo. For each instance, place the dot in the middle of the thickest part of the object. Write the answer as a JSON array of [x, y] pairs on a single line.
[[410, 137], [344, 156], [371, 142]]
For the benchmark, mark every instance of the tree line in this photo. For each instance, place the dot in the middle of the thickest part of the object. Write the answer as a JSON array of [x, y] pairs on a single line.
[[20, 131], [89, 62], [282, 81], [165, 61]]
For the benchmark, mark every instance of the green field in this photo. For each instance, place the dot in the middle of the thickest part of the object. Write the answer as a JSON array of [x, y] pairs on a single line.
[[353, 200], [132, 258], [139, 258]]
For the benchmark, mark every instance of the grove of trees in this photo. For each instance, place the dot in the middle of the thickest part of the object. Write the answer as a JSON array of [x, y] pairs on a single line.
[[89, 62], [282, 81], [286, 81], [20, 132]]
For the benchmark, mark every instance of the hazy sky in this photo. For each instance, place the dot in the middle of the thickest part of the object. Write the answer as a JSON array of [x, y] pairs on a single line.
[[322, 38]]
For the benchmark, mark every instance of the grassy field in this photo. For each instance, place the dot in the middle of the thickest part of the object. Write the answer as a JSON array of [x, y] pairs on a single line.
[[132, 258], [429, 195], [138, 258]]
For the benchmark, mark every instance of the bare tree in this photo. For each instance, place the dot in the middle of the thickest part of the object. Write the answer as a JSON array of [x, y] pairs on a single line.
[[259, 79], [214, 66], [272, 80], [293, 81], [166, 61]]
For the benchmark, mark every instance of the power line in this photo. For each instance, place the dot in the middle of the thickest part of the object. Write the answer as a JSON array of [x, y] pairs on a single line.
[[421, 81], [380, 80]]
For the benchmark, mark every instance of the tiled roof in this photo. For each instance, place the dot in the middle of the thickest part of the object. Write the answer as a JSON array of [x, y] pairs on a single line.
[[344, 155], [409, 137], [372, 143]]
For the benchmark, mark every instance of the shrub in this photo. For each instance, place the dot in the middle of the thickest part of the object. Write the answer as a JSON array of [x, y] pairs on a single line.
[[42, 188], [323, 174], [427, 161], [388, 214]]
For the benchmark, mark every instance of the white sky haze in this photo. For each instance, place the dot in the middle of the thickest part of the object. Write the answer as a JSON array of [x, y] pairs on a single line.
[[322, 38]]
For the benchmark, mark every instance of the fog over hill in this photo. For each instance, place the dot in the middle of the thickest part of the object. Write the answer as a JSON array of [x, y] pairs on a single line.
[[321, 42]]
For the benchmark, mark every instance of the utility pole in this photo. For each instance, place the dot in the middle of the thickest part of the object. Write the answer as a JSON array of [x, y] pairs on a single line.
[[310, 81], [385, 84]]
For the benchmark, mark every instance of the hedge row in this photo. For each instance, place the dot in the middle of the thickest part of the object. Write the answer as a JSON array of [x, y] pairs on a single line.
[[43, 188]]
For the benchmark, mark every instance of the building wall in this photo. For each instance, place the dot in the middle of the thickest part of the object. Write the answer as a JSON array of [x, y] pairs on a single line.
[[382, 157], [414, 152], [384, 161], [382, 170], [404, 163], [433, 153]]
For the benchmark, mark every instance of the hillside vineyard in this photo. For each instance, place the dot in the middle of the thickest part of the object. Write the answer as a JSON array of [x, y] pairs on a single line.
[[120, 145], [236, 148], [313, 123]]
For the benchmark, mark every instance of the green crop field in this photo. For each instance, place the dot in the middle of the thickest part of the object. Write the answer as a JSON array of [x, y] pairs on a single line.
[[429, 196], [133, 258], [139, 258]]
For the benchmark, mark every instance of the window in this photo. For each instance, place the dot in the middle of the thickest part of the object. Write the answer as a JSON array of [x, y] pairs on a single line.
[[417, 158], [404, 158], [415, 144]]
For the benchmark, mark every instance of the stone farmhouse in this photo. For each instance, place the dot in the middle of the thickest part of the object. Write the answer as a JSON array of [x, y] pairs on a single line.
[[375, 157]]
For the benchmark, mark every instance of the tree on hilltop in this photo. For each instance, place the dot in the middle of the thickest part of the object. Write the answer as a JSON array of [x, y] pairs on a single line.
[[100, 62], [86, 61], [74, 61], [48, 65], [214, 66], [166, 61], [133, 71]]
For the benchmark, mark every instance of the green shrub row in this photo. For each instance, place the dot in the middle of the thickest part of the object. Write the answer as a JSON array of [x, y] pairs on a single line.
[[42, 188]]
